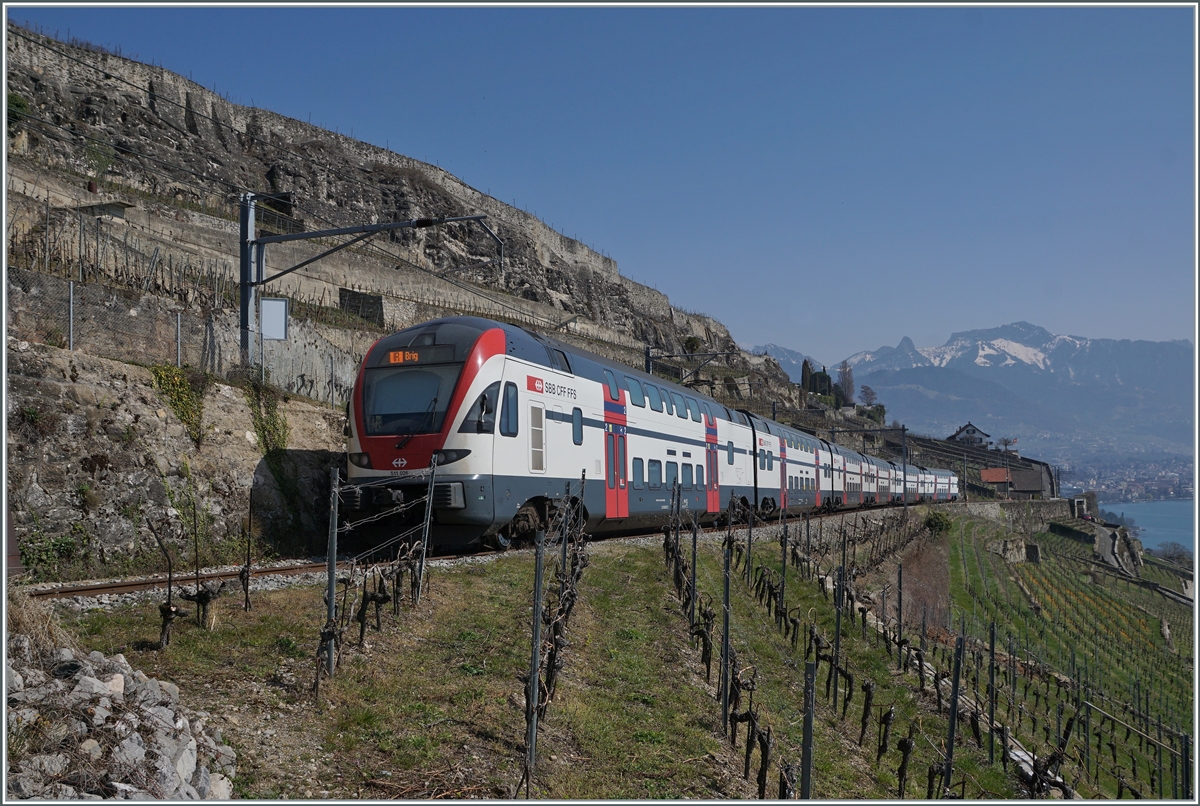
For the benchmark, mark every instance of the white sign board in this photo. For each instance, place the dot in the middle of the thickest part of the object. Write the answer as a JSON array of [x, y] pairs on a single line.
[[274, 313]]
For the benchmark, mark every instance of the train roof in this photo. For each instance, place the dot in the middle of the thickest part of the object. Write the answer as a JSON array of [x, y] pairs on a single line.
[[463, 331]]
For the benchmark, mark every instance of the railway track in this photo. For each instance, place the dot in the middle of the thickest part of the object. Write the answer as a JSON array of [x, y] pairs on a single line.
[[92, 589], [160, 580]]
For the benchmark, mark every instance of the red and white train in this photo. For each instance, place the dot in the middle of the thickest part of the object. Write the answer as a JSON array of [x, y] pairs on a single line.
[[516, 418]]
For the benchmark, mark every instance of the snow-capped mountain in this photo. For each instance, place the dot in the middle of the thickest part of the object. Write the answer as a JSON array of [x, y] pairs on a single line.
[[1063, 396], [1006, 353]]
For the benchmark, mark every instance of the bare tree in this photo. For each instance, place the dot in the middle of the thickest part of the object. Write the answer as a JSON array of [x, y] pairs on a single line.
[[1006, 443], [1174, 552], [846, 380], [867, 395]]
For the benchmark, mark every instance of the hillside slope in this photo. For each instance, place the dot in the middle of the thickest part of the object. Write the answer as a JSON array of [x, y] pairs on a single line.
[[143, 136]]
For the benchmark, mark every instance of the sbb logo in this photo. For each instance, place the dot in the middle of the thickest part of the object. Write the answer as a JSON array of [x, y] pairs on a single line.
[[535, 384]]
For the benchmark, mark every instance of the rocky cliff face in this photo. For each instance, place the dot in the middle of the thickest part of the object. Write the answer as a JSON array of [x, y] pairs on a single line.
[[96, 452], [149, 132]]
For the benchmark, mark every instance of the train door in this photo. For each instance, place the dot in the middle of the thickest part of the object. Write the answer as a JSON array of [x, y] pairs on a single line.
[[757, 459], [537, 438], [783, 474], [712, 486], [616, 454], [818, 475]]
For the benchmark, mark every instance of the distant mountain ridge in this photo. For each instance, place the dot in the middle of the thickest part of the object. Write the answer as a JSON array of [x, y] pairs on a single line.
[[790, 360], [1065, 397]]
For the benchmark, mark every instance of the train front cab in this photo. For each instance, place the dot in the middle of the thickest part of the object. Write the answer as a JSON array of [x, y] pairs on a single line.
[[413, 399]]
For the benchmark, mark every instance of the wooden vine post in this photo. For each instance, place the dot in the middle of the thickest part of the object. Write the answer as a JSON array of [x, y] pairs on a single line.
[[806, 751], [331, 567], [949, 771], [532, 694], [724, 682]]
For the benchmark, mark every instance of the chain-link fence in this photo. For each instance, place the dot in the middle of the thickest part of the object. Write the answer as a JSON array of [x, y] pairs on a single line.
[[161, 287], [124, 325]]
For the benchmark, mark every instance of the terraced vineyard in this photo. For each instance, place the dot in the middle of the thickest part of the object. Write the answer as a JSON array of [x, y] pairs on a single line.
[[1101, 639], [1090, 696]]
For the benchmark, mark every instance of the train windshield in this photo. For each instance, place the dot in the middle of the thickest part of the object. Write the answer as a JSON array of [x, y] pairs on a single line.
[[408, 400]]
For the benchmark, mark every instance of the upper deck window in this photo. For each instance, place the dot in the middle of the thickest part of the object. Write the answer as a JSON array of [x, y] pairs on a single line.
[[655, 401], [635, 392], [614, 393]]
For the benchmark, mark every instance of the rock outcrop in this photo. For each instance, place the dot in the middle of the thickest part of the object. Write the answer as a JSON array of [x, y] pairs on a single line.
[[95, 451], [93, 727]]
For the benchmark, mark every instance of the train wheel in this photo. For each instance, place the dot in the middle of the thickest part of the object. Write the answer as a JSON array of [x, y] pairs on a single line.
[[497, 542]]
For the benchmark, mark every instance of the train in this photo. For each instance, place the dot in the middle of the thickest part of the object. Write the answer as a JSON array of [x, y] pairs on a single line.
[[513, 424]]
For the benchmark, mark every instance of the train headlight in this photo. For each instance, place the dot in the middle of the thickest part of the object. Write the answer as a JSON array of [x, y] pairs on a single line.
[[360, 459], [445, 457]]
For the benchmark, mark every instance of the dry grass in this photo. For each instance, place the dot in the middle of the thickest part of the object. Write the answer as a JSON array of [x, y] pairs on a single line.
[[33, 617]]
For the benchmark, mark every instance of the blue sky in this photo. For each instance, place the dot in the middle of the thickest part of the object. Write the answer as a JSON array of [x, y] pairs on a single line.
[[828, 179]]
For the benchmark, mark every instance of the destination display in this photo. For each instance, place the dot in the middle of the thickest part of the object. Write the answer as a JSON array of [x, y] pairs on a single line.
[[436, 354]]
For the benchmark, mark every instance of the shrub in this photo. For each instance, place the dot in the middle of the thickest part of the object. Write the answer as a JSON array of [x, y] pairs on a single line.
[[937, 522], [184, 392], [17, 108]]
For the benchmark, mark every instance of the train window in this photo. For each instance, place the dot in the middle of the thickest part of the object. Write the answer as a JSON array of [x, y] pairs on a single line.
[[655, 401], [509, 417], [560, 359], [481, 418], [693, 409], [729, 447], [672, 473], [762, 459], [705, 411], [614, 393], [577, 426], [680, 406], [654, 474], [741, 418], [699, 477], [666, 396], [770, 460], [639, 473], [610, 460], [537, 439], [635, 392], [621, 477], [686, 479]]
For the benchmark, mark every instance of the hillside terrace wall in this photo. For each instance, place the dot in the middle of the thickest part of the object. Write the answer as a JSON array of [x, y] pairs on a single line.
[[1024, 517]]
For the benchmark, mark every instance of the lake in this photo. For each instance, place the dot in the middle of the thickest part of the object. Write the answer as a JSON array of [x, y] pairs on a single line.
[[1160, 521]]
